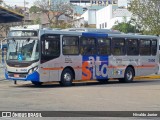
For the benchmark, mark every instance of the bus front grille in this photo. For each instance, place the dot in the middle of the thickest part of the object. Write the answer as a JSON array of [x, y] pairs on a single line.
[[18, 75]]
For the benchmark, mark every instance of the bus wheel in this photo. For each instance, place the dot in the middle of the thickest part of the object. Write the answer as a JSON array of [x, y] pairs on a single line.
[[66, 77], [37, 83], [128, 76]]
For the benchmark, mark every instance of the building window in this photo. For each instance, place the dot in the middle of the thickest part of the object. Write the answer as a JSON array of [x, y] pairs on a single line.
[[102, 25], [105, 24]]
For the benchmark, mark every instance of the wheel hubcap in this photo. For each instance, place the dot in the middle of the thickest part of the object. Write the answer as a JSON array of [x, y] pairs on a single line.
[[67, 77], [129, 75]]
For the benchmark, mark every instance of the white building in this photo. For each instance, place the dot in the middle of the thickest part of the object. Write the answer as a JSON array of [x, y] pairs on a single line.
[[89, 16], [108, 16], [104, 17]]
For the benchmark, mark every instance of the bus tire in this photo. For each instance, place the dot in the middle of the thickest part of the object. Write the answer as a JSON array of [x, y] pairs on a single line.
[[36, 83], [128, 76], [66, 77]]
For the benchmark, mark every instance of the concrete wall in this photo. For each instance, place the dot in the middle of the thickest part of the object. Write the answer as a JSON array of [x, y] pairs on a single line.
[[103, 16], [106, 17], [90, 16]]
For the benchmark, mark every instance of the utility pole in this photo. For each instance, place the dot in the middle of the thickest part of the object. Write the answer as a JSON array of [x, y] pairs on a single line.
[[24, 11]]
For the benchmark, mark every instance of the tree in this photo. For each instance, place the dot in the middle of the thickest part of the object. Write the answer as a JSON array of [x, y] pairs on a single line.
[[147, 15], [54, 10], [125, 27], [34, 9], [37, 21]]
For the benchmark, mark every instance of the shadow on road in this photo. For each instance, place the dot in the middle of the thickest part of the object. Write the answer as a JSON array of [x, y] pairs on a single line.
[[111, 83]]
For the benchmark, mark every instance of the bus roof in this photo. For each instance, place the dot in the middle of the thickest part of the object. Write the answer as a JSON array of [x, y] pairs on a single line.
[[96, 34], [79, 33], [93, 34], [133, 36], [107, 31], [44, 31]]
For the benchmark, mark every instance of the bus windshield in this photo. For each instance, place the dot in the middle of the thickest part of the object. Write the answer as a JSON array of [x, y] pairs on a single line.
[[23, 49]]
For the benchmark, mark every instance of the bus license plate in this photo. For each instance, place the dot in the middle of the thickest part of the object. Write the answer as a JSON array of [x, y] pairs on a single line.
[[16, 75]]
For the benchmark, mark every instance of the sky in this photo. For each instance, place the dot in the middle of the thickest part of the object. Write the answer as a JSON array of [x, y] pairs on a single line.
[[31, 2], [19, 2]]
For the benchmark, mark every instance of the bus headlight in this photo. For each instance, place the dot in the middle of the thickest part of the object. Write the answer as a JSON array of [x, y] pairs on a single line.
[[32, 70]]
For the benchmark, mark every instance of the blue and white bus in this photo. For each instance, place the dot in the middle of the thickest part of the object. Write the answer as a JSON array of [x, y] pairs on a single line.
[[65, 55]]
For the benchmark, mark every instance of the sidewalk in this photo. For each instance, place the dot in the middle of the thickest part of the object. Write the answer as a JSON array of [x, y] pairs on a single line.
[[1, 73]]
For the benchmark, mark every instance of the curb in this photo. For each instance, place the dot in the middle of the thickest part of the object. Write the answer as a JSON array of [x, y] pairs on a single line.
[[148, 77]]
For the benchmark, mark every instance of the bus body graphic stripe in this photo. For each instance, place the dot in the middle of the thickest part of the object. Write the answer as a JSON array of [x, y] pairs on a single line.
[[146, 66], [61, 68]]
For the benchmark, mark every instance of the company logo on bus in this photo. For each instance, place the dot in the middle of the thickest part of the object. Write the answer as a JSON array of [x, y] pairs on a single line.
[[94, 67]]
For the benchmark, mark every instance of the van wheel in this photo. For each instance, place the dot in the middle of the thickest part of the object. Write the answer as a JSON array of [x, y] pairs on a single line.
[[66, 77], [128, 76], [37, 83]]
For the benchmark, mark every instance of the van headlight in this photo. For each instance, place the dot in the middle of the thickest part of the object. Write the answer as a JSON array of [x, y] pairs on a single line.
[[32, 70]]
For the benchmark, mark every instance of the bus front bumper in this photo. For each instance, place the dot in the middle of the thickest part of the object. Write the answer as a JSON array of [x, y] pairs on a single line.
[[31, 77]]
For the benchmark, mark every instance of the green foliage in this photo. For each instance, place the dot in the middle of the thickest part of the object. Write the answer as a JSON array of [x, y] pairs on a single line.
[[147, 15], [34, 9], [125, 27], [62, 25], [37, 21]]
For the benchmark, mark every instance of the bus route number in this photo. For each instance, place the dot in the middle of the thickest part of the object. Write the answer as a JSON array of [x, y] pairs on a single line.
[[151, 60]]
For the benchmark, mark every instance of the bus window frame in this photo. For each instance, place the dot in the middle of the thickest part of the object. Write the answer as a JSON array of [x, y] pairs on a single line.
[[71, 45], [156, 47], [127, 46], [95, 43], [99, 45], [43, 38], [122, 38], [146, 47]]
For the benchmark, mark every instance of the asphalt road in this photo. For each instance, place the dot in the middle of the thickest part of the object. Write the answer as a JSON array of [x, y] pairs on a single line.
[[141, 95]]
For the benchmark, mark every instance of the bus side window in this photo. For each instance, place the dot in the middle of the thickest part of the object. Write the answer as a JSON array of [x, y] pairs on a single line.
[[88, 46], [132, 47], [154, 47], [50, 47], [70, 45], [118, 46], [145, 47], [103, 47]]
